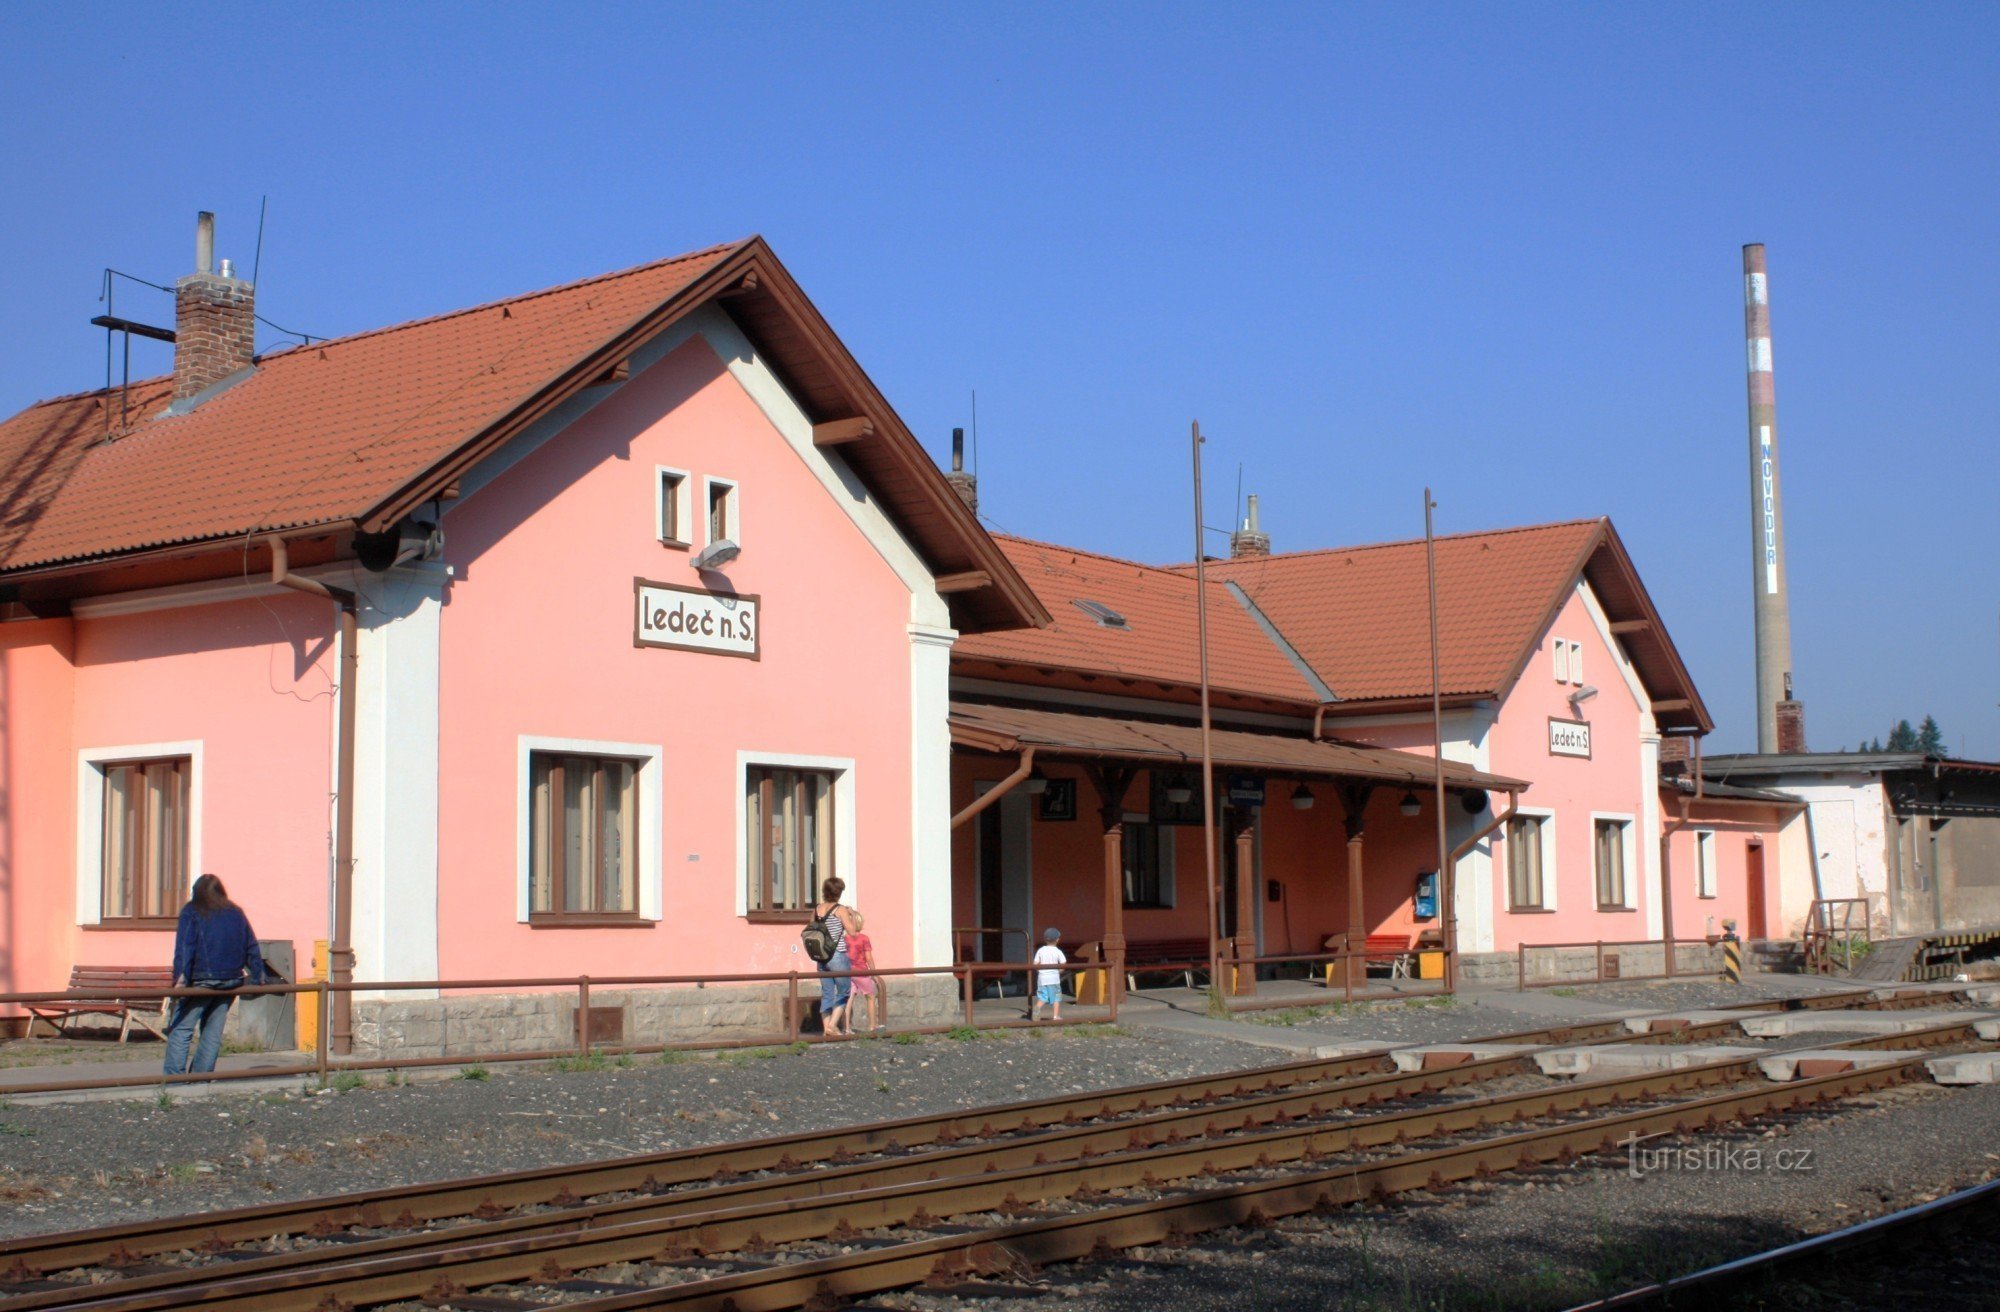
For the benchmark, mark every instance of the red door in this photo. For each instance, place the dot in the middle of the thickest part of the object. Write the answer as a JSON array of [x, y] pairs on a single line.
[[1753, 914]]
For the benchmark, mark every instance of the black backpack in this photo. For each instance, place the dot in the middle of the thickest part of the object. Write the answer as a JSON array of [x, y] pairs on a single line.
[[818, 940]]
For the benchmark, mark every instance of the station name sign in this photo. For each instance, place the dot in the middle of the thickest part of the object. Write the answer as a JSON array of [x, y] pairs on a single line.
[[690, 619], [1569, 738]]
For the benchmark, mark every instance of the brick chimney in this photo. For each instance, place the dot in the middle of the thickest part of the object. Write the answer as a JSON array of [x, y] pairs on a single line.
[[966, 485], [1791, 726], [215, 325], [1250, 541]]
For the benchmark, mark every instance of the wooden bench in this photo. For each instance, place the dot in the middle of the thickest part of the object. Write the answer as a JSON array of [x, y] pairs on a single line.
[[1186, 957], [102, 992], [1391, 950]]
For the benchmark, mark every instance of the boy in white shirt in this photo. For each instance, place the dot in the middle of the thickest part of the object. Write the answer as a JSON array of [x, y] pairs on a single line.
[[1048, 983]]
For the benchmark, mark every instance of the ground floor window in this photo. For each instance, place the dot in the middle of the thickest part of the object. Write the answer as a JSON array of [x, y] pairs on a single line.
[[583, 836], [790, 836], [1704, 863], [1149, 864], [1526, 889], [145, 827], [1612, 888]]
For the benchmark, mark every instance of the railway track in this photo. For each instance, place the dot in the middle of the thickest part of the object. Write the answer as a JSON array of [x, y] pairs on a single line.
[[1753, 1275], [668, 1216]]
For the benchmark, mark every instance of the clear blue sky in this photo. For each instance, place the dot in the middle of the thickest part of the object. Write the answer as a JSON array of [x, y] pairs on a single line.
[[1492, 248]]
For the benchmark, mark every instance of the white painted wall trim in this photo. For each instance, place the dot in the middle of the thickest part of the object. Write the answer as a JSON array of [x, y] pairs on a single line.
[[1645, 873], [396, 728], [1602, 623], [652, 794], [732, 509], [1629, 838], [845, 785], [90, 817], [683, 504], [930, 791], [847, 490], [1551, 883]]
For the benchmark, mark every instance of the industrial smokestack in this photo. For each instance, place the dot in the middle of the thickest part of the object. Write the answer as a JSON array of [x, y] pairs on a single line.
[[1767, 525]]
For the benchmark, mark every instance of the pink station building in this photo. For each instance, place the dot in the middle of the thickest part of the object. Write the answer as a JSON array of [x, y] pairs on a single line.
[[583, 633]]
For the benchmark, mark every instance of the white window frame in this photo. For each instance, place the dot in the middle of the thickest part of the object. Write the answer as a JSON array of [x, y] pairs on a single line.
[[1548, 843], [734, 508], [1630, 845], [90, 817], [1560, 656], [1705, 881], [845, 785], [651, 793], [1169, 859], [683, 505], [1576, 663]]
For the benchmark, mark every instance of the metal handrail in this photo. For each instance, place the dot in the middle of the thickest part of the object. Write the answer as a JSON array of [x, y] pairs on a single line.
[[1831, 926], [321, 1062]]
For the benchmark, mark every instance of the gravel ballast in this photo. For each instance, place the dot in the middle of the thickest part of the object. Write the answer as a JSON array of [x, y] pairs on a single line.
[[90, 1163]]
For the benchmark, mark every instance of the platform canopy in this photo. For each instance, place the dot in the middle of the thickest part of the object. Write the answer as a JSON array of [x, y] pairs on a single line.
[[979, 727]]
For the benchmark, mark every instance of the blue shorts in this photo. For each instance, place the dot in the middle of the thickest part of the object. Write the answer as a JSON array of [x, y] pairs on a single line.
[[1050, 994]]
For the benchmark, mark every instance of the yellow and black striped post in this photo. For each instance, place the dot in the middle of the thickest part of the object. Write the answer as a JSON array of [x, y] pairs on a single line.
[[1732, 953]]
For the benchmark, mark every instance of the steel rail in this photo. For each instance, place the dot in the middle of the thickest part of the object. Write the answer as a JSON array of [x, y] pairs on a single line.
[[1065, 1143], [1894, 1226], [1017, 1249], [410, 1205], [436, 1266], [544, 1185]]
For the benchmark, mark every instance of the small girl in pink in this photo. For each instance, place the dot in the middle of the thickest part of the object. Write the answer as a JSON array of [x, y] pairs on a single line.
[[861, 956]]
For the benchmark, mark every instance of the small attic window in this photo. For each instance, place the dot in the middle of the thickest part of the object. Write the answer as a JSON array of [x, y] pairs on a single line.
[[1106, 617]]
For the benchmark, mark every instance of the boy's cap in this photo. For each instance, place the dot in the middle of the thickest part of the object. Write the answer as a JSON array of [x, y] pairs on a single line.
[[1051, 934]]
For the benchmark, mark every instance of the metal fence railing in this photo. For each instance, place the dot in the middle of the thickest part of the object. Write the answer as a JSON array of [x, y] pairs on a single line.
[[795, 992]]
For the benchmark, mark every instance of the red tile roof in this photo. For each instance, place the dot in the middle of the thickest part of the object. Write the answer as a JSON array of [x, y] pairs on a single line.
[[1360, 617], [1157, 644], [315, 435], [357, 431]]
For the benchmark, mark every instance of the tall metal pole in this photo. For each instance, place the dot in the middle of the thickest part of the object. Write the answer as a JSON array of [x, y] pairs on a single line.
[[1447, 877], [1767, 514], [1207, 755]]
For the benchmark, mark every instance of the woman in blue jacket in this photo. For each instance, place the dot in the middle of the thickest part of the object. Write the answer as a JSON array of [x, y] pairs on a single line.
[[213, 947]]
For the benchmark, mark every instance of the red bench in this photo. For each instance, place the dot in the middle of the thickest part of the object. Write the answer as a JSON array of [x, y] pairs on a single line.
[[1391, 950], [103, 991]]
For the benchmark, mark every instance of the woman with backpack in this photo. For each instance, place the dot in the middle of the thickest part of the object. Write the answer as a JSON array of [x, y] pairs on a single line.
[[213, 948], [831, 924]]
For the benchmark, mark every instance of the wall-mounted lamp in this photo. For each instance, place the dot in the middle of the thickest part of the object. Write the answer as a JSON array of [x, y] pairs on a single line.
[[719, 552], [1410, 805], [1036, 782], [1582, 695], [1179, 793], [1302, 798]]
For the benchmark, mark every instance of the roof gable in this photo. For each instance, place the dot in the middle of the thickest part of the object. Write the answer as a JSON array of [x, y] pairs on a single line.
[[357, 431], [1360, 616]]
